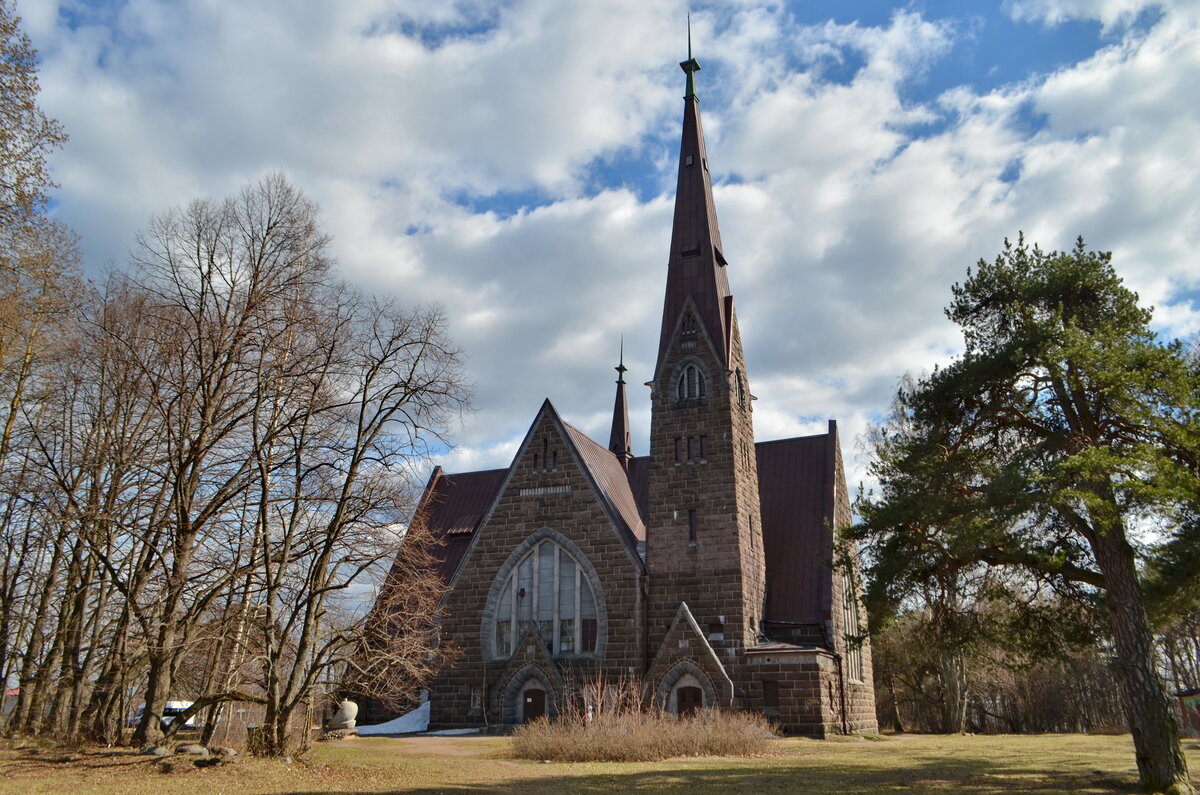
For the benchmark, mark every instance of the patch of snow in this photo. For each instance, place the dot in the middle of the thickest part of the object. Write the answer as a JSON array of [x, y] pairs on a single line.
[[415, 721]]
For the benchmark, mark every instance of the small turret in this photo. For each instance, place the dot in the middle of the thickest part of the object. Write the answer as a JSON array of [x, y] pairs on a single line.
[[618, 440]]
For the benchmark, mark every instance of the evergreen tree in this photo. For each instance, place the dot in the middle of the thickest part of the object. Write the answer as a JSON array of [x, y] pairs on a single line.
[[1064, 430]]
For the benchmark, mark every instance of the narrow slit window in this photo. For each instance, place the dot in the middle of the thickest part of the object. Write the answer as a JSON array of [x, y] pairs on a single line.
[[691, 451], [703, 448], [691, 528]]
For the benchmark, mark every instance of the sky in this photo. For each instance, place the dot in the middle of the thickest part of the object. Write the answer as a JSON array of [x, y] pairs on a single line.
[[515, 163]]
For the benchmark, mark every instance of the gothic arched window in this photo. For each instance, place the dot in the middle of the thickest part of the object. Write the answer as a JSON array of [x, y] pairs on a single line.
[[548, 590], [691, 384]]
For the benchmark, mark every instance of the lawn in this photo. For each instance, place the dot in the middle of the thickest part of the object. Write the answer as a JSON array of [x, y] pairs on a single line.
[[910, 764]]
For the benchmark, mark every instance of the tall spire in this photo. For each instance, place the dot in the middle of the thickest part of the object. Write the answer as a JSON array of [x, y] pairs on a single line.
[[696, 265], [618, 440]]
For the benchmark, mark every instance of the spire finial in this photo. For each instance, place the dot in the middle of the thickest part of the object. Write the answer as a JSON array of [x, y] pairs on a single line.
[[691, 65], [621, 368]]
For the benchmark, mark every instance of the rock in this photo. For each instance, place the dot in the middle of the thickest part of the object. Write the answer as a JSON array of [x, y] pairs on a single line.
[[193, 749], [344, 717], [337, 734], [156, 750], [223, 751]]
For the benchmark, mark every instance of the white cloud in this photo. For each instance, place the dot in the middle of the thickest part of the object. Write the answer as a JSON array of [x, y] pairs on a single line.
[[1111, 13], [847, 207]]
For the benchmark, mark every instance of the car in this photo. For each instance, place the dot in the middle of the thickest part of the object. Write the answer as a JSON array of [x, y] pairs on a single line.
[[171, 711]]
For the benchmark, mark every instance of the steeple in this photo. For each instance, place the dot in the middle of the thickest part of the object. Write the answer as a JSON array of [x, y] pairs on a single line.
[[703, 535], [696, 265], [618, 440]]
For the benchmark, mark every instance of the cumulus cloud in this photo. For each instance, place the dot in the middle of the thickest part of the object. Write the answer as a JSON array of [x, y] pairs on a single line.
[[515, 162]]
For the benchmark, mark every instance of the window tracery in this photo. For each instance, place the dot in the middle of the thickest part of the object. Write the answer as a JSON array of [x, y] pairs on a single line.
[[549, 591]]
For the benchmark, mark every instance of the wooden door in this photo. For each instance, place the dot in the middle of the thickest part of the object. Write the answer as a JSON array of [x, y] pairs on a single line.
[[689, 700], [535, 704]]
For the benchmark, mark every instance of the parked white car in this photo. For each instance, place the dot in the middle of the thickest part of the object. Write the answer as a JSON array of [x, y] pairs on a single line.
[[170, 712]]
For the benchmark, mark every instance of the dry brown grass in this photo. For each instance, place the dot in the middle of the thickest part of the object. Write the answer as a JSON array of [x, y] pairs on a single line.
[[626, 726], [644, 737], [912, 764]]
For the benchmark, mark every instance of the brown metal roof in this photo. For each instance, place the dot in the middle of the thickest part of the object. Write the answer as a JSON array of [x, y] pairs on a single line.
[[795, 487], [453, 506], [611, 478]]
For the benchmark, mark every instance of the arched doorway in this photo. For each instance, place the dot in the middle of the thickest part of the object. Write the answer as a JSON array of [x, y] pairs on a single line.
[[689, 701], [533, 704]]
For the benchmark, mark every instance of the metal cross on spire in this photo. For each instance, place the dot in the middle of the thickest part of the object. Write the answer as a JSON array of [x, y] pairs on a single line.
[[690, 66], [621, 368]]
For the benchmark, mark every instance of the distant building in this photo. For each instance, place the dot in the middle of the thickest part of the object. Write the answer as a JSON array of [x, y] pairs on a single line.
[[704, 569], [1189, 711]]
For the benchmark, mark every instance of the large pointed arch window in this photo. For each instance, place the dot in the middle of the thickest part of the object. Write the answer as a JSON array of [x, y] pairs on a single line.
[[691, 383], [549, 591]]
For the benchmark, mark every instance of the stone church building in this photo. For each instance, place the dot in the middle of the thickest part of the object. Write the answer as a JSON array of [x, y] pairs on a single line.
[[704, 569]]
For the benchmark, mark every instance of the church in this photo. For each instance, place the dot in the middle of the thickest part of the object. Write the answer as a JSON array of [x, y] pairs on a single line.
[[704, 570]]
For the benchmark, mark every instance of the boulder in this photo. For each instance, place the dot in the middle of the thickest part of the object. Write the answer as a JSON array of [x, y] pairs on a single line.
[[337, 734], [156, 750], [193, 749]]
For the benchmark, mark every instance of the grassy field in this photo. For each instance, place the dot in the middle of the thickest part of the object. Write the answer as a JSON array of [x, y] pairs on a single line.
[[910, 764]]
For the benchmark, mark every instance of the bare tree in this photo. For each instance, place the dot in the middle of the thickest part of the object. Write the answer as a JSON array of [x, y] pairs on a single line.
[[27, 135]]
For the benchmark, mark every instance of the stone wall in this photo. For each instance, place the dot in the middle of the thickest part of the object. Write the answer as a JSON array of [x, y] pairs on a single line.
[[570, 512], [703, 536]]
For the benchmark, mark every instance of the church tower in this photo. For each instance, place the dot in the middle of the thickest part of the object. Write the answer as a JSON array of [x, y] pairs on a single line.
[[703, 537]]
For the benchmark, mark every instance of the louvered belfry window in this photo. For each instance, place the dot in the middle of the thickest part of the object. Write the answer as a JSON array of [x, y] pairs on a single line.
[[691, 384], [549, 591]]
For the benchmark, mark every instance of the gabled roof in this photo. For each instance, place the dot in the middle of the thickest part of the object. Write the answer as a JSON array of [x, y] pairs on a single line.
[[453, 506], [611, 478]]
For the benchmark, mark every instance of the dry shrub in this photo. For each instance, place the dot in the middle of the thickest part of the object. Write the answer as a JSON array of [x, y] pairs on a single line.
[[627, 727]]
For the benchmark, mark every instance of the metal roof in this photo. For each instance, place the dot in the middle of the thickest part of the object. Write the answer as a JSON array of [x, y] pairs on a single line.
[[795, 489]]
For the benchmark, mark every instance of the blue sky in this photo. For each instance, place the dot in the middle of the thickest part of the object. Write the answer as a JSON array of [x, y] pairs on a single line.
[[514, 162]]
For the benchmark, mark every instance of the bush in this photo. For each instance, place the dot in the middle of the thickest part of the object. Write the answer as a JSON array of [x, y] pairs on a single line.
[[625, 729]]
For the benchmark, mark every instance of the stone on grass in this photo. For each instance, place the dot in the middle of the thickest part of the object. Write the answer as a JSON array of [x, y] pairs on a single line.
[[156, 750], [337, 734], [193, 749], [223, 751]]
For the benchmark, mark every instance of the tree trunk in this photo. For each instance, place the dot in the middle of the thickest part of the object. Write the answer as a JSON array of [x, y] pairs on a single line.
[[1161, 764]]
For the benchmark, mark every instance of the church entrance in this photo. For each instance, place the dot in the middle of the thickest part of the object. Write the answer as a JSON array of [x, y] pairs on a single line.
[[534, 705], [690, 700]]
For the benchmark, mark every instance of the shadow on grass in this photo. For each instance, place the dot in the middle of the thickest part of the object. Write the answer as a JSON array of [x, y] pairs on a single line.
[[970, 776]]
